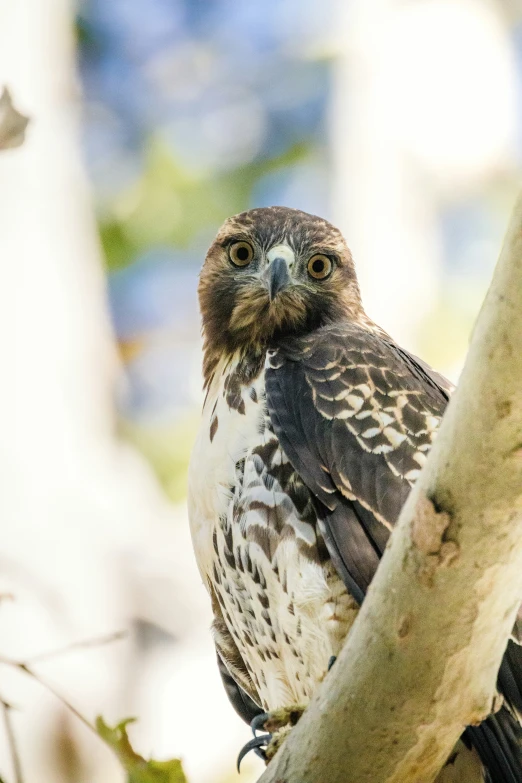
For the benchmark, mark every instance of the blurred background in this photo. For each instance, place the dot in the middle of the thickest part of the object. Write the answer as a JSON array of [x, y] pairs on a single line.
[[151, 121]]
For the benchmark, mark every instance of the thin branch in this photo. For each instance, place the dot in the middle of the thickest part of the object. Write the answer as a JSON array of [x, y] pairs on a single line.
[[422, 658], [24, 667], [11, 741], [82, 645]]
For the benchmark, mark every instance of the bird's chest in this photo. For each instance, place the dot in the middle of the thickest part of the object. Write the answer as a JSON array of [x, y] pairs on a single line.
[[259, 549], [232, 426]]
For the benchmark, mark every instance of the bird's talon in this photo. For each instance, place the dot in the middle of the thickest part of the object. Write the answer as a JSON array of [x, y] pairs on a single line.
[[258, 722], [331, 661], [258, 745]]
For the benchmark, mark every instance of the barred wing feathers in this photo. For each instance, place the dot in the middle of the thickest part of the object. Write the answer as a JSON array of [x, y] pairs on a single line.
[[356, 416]]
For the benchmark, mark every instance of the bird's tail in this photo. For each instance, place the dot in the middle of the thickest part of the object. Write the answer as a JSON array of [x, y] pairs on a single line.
[[498, 739]]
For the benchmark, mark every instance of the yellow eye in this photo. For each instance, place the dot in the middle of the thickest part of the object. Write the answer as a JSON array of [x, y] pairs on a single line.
[[319, 267], [241, 253]]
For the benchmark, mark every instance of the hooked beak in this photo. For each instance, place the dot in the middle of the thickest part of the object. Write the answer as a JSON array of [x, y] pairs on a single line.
[[277, 277]]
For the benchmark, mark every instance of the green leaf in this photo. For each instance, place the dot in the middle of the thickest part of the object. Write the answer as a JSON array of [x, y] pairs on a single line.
[[138, 769]]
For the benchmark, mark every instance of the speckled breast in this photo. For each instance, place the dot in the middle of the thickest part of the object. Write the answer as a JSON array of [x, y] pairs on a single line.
[[258, 546]]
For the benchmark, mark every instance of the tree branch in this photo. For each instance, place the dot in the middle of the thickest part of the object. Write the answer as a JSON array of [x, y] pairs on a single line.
[[422, 658]]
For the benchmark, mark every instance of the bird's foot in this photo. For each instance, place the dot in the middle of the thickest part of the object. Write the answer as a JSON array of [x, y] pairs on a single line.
[[278, 719], [277, 724]]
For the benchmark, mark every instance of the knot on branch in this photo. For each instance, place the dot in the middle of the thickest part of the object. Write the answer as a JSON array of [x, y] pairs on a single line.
[[429, 534]]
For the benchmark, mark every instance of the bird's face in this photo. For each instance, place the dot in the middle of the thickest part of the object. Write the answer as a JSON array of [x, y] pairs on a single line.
[[272, 273]]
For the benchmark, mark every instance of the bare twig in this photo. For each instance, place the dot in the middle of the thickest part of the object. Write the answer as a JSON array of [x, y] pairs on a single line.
[[86, 643], [26, 667]]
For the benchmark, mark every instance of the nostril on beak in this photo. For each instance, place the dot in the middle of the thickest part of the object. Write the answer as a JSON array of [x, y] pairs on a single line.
[[278, 277]]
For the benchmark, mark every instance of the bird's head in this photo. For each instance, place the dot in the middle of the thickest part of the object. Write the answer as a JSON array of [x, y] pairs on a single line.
[[272, 273]]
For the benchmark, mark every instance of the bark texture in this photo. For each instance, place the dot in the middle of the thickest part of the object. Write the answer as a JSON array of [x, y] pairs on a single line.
[[422, 658]]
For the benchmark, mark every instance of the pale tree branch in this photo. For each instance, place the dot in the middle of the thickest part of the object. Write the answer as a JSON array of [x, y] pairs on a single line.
[[422, 659]]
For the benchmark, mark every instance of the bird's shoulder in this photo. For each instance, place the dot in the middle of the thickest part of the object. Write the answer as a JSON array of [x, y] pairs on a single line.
[[349, 350], [356, 387]]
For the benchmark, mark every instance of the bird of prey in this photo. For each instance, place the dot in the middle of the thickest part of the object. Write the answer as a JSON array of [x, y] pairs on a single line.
[[314, 429]]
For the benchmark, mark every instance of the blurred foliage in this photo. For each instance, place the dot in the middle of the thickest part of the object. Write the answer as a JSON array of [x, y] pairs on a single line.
[[170, 204], [192, 112], [138, 769]]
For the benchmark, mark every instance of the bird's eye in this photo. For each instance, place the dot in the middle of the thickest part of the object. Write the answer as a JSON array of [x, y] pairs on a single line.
[[319, 267], [241, 253]]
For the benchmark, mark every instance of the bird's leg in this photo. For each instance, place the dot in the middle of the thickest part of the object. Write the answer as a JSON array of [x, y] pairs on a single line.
[[278, 725], [278, 719]]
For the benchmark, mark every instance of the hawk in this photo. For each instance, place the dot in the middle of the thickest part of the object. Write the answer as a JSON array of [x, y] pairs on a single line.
[[315, 426]]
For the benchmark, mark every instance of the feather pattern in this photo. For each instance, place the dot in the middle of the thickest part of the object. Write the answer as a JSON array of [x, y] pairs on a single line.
[[356, 416]]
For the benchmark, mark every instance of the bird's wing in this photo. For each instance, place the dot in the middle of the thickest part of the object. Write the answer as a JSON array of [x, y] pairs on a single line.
[[237, 682], [356, 416], [244, 705]]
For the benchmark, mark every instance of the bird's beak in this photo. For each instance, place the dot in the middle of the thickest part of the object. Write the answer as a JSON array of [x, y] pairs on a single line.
[[277, 277]]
